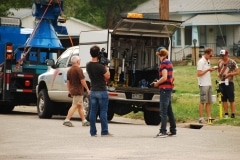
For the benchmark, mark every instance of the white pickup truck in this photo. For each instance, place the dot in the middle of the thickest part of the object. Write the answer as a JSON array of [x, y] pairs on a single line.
[[52, 94], [131, 48]]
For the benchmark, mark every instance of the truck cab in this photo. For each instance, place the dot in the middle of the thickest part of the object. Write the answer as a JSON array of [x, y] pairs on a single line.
[[23, 53]]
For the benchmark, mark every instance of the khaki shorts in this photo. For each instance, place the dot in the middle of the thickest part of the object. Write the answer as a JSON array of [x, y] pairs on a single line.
[[205, 94], [77, 100]]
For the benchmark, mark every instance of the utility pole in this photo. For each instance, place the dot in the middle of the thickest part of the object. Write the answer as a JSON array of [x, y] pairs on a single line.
[[164, 9]]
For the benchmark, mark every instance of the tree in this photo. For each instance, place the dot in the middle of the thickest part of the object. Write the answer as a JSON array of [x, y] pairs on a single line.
[[104, 13], [5, 5]]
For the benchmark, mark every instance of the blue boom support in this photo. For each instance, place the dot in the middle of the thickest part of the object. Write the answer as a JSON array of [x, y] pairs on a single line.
[[44, 36]]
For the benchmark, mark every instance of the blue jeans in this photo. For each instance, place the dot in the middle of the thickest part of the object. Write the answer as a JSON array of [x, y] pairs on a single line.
[[166, 112], [98, 102]]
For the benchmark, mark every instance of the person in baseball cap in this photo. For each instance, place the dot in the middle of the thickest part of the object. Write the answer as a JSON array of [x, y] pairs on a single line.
[[159, 49], [227, 69], [223, 52], [165, 86]]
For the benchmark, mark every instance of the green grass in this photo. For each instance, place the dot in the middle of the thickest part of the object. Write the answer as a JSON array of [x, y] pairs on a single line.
[[186, 98]]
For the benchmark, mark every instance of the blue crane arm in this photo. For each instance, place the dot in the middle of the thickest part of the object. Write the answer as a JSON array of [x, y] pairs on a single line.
[[47, 13], [51, 11]]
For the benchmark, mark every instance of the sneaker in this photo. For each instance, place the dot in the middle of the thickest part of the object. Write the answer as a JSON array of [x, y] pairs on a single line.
[[86, 123], [161, 135], [201, 120], [226, 116], [170, 134], [94, 135], [107, 135], [68, 123], [210, 120], [233, 116]]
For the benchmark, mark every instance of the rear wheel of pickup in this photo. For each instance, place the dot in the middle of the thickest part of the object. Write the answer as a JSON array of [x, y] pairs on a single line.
[[152, 117], [44, 105], [86, 106]]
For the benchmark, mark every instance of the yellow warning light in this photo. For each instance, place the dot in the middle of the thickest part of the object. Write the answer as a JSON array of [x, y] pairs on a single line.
[[134, 15]]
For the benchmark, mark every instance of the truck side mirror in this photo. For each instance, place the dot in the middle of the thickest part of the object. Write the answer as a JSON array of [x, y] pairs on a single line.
[[53, 56], [50, 62]]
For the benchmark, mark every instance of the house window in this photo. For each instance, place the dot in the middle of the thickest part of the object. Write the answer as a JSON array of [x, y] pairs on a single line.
[[177, 38], [202, 35], [188, 35], [221, 36]]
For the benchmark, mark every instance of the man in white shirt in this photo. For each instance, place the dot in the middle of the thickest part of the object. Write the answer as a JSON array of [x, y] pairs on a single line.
[[205, 84]]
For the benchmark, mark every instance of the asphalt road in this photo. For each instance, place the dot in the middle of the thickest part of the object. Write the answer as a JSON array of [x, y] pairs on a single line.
[[23, 136]]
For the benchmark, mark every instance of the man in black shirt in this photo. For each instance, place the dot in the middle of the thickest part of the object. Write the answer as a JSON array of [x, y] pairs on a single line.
[[98, 74]]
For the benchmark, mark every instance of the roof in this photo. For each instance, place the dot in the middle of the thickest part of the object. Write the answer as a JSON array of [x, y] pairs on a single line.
[[26, 12], [21, 13], [185, 6], [213, 19], [85, 23]]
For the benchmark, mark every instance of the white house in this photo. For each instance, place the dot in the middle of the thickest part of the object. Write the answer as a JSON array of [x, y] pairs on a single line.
[[212, 23]]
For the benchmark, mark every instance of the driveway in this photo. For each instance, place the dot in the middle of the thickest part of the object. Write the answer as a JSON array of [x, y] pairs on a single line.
[[23, 136]]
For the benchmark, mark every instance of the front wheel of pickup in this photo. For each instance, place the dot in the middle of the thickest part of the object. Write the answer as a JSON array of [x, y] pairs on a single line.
[[152, 117], [44, 105]]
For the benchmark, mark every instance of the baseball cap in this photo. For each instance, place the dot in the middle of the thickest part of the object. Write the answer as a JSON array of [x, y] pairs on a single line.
[[223, 52], [159, 48]]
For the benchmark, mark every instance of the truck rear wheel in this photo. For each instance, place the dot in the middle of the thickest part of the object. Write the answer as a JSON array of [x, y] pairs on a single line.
[[152, 117], [44, 105], [86, 106]]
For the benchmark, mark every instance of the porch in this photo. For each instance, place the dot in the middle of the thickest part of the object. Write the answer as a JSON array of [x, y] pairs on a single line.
[[179, 54]]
